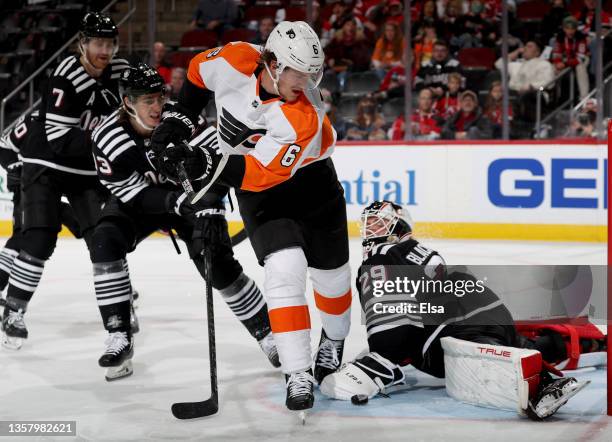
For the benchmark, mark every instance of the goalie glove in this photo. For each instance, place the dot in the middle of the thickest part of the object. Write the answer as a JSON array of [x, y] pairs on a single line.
[[175, 127], [370, 375]]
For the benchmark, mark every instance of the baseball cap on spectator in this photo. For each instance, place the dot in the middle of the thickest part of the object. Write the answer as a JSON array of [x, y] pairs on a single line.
[[570, 22], [469, 94]]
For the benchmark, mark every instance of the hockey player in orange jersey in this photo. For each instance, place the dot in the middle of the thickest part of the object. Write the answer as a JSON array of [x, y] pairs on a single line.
[[275, 145]]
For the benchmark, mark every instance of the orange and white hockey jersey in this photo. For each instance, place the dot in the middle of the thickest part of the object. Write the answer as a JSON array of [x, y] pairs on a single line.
[[286, 135]]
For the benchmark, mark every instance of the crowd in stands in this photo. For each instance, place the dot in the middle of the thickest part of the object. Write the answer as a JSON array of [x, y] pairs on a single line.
[[454, 70], [453, 96]]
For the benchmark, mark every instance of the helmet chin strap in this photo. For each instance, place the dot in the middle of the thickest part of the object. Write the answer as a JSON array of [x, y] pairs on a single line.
[[274, 78], [133, 114]]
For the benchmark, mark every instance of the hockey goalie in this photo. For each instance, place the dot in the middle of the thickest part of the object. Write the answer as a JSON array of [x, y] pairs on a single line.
[[471, 341]]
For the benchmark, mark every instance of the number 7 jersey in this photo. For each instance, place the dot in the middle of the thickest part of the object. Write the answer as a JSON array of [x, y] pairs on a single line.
[[276, 137]]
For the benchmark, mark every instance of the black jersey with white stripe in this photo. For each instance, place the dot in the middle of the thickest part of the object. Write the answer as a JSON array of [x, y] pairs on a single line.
[[386, 262], [124, 163], [13, 139], [74, 104]]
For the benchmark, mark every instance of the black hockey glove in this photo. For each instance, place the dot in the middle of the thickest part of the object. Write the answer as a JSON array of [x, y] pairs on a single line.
[[208, 220], [13, 176], [201, 162], [175, 128]]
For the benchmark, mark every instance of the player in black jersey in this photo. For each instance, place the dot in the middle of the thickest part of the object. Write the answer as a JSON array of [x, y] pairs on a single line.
[[11, 143], [143, 201], [57, 160], [441, 332]]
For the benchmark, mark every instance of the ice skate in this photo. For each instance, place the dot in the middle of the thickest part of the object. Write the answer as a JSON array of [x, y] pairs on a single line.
[[328, 357], [13, 328], [300, 393], [269, 348], [553, 396], [117, 357]]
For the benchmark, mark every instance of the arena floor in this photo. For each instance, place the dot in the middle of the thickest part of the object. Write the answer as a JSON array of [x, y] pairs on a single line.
[[55, 375]]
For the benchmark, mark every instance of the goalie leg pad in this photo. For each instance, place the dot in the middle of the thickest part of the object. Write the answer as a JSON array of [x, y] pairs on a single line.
[[370, 375], [491, 375]]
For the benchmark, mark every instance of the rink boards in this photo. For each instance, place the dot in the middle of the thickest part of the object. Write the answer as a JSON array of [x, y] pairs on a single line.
[[538, 191]]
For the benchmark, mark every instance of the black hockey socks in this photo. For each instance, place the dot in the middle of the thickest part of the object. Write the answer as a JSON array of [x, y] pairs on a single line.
[[24, 278], [7, 256], [246, 301], [113, 293]]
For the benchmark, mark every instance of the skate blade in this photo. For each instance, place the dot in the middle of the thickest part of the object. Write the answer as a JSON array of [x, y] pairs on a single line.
[[11, 342], [554, 406], [122, 371], [301, 415]]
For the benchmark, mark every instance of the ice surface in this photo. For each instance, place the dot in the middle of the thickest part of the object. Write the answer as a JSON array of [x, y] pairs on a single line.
[[55, 375]]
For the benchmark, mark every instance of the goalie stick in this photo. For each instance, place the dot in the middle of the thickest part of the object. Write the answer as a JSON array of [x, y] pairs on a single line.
[[208, 407]]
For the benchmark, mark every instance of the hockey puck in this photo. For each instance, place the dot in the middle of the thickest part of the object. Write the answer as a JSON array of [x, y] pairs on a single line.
[[359, 399]]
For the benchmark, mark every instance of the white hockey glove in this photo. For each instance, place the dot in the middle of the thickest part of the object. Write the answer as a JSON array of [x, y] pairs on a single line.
[[370, 375]]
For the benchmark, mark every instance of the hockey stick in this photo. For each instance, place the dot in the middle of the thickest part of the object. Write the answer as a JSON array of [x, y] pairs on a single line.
[[192, 410]]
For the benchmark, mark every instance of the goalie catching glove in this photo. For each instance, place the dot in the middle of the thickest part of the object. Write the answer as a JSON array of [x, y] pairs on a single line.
[[369, 375]]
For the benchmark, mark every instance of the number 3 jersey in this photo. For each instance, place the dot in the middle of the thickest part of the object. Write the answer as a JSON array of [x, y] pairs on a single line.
[[125, 164], [74, 104], [275, 137]]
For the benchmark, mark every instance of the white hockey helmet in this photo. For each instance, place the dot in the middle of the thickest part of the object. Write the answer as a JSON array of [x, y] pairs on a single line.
[[296, 45]]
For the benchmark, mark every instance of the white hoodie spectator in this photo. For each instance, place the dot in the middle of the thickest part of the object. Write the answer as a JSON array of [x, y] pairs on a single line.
[[529, 72]]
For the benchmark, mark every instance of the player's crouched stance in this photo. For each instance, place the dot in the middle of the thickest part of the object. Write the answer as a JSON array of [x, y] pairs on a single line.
[[142, 202], [482, 364]]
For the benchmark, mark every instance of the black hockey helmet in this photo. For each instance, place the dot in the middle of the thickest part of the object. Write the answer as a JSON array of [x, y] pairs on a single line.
[[384, 221], [140, 79], [98, 25]]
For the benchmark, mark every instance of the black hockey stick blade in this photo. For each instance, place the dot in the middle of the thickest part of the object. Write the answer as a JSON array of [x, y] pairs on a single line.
[[194, 410]]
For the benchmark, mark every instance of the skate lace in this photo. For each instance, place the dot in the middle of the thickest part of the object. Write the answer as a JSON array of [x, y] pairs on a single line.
[[327, 355], [300, 383], [15, 319], [115, 343]]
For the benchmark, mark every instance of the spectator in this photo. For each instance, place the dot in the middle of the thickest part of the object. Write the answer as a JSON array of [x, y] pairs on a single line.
[[429, 14], [389, 50], [469, 123], [394, 12], [425, 121], [340, 14], [266, 24], [368, 123], [527, 75], [397, 131], [335, 118], [215, 15], [176, 82], [586, 17], [348, 51], [424, 42], [159, 61], [494, 106], [473, 28], [435, 73], [553, 20], [448, 104], [393, 85], [571, 50], [365, 12], [583, 125]]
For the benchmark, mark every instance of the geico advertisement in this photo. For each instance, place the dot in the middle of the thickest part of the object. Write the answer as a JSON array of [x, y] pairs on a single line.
[[542, 184]]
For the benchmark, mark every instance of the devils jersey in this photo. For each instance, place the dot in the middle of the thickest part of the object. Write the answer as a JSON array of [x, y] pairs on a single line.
[[74, 105], [430, 306], [385, 262], [284, 136], [124, 162], [14, 138]]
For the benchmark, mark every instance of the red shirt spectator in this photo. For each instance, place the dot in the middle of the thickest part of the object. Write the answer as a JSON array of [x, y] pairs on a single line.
[[397, 131], [571, 47], [448, 104], [348, 49], [425, 120], [586, 17], [159, 55]]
